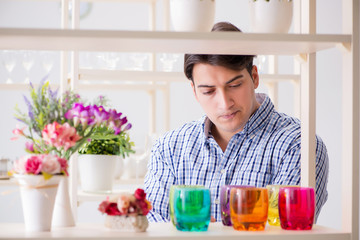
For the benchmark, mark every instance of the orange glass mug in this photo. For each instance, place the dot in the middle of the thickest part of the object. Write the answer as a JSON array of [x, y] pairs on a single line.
[[249, 208]]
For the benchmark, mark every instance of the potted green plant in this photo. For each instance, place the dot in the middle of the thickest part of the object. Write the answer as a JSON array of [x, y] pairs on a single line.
[[100, 157]]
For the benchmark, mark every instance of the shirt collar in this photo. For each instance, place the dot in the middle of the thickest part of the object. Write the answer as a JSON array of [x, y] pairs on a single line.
[[256, 121]]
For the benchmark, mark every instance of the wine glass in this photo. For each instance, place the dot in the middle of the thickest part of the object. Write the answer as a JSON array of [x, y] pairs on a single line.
[[48, 59], [9, 62], [260, 61], [168, 60], [138, 60], [27, 63], [111, 60]]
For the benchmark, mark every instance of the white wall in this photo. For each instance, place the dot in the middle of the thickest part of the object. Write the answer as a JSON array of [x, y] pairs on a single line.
[[110, 15]]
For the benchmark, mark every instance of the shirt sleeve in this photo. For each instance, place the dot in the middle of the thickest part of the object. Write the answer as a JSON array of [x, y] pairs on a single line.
[[158, 180], [289, 172]]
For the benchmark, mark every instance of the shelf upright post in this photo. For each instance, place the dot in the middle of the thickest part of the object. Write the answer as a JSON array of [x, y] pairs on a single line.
[[308, 98], [64, 54], [296, 83], [350, 121], [273, 86], [152, 93], [73, 83], [166, 89]]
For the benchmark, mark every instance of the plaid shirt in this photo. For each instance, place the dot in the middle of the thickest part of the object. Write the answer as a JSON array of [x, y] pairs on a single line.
[[267, 151]]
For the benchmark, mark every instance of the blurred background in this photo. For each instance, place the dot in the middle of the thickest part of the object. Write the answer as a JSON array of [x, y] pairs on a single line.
[[31, 66]]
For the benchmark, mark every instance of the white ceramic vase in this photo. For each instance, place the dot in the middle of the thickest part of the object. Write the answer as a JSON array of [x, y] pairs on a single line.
[[127, 223], [119, 168], [38, 198], [135, 166], [273, 16], [192, 15], [63, 215], [97, 172]]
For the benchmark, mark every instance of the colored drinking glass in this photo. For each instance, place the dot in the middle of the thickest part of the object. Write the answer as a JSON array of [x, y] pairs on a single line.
[[248, 208], [191, 208], [273, 212], [171, 197], [225, 203], [296, 208]]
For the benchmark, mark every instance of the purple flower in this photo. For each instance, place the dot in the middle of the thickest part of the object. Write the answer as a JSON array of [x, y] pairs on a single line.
[[127, 127], [100, 115], [30, 109]]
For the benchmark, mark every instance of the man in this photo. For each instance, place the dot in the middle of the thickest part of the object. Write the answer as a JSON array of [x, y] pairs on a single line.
[[242, 140]]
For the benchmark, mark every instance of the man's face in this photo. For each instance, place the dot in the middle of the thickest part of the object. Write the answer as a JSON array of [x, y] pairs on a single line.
[[227, 96]]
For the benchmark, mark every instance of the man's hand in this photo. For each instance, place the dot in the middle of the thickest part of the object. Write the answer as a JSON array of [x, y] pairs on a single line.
[[212, 219]]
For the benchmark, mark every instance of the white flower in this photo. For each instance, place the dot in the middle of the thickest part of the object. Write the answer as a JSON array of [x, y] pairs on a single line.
[[50, 164], [19, 165]]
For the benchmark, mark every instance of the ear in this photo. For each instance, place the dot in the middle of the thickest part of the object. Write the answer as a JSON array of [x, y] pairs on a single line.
[[193, 88], [255, 76]]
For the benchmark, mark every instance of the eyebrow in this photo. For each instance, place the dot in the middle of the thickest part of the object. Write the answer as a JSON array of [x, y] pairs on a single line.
[[228, 82]]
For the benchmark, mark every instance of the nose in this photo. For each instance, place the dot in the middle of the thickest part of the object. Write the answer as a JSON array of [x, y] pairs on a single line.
[[225, 100]]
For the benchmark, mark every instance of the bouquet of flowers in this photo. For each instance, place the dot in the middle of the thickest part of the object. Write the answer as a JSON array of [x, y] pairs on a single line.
[[45, 164], [61, 125], [126, 204]]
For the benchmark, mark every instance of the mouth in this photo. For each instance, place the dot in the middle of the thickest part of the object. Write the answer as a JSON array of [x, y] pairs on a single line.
[[228, 116]]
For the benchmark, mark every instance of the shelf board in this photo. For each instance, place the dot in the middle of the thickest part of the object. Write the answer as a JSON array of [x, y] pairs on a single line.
[[120, 186], [23, 86], [92, 75], [4, 181], [162, 41], [168, 231]]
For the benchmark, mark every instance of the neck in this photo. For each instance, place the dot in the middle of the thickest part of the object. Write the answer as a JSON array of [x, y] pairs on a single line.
[[221, 138]]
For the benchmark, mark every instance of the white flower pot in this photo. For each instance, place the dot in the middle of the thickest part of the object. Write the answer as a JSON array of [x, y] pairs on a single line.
[[274, 16], [127, 223], [63, 215], [38, 197], [192, 15], [97, 172]]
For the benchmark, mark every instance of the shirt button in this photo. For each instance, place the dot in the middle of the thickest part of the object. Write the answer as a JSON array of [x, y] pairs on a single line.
[[222, 171], [217, 201]]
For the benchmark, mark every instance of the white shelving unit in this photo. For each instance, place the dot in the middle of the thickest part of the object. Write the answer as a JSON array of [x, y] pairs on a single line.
[[303, 45]]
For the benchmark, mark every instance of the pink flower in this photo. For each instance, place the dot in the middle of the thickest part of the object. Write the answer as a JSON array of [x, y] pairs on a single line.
[[18, 132], [50, 164], [29, 146], [63, 165], [60, 136], [33, 164], [19, 165], [68, 136], [123, 203], [109, 208], [143, 206], [140, 194], [50, 133]]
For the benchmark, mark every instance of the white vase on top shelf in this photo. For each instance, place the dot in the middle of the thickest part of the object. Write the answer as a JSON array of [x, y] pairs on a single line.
[[270, 16]]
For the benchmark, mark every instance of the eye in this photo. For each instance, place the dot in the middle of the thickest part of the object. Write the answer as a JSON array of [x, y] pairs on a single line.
[[235, 85], [208, 92]]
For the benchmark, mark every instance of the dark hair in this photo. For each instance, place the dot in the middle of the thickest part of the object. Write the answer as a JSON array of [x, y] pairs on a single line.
[[234, 62]]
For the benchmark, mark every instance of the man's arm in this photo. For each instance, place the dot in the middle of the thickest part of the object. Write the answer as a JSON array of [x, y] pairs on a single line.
[[158, 180], [289, 172]]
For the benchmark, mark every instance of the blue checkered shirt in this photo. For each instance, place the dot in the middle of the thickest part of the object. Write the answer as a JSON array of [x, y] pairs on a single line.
[[267, 151]]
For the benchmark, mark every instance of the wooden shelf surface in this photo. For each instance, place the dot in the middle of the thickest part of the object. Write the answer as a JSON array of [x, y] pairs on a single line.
[[169, 232], [166, 41]]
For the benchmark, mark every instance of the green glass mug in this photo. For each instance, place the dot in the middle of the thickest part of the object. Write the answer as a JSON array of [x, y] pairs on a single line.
[[190, 207]]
